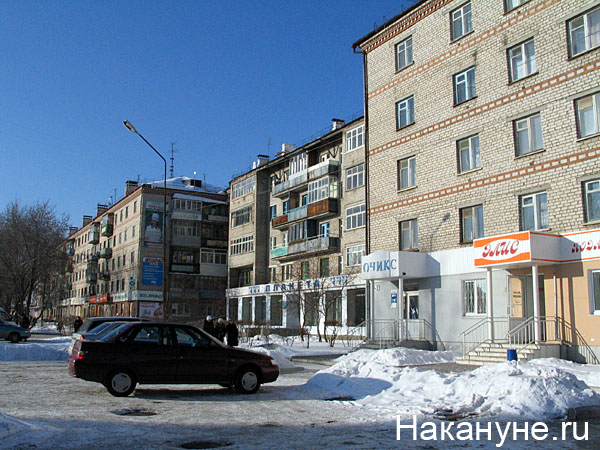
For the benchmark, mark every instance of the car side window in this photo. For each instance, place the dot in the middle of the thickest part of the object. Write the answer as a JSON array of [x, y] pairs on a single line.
[[187, 338], [149, 335]]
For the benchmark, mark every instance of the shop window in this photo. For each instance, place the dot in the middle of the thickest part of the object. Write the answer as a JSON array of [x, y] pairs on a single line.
[[474, 297]]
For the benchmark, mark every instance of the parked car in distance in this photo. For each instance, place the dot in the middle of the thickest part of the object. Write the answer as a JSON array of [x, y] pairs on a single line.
[[13, 333], [167, 353]]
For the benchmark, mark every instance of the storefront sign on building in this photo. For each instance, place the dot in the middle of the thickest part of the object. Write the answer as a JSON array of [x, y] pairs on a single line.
[[152, 271]]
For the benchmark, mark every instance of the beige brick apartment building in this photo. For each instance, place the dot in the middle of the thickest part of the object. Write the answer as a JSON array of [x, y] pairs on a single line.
[[483, 198], [117, 257], [297, 231]]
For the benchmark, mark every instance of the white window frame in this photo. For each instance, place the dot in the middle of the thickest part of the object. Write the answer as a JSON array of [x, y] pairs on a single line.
[[404, 53], [412, 227], [354, 254], [479, 308], [407, 166], [470, 147], [512, 4], [462, 14], [594, 284], [540, 217], [527, 60], [355, 217], [241, 216], [527, 125], [595, 191], [242, 245], [594, 109], [588, 36], [286, 272], [474, 216], [242, 188], [464, 82], [405, 112], [355, 138], [355, 177]]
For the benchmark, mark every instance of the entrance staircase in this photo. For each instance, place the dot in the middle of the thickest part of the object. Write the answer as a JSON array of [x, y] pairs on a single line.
[[554, 337]]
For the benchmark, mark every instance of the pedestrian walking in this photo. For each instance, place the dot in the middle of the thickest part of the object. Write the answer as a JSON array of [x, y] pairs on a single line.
[[232, 332]]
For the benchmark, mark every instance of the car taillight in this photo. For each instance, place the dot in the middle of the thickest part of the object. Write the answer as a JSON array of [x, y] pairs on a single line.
[[79, 354]]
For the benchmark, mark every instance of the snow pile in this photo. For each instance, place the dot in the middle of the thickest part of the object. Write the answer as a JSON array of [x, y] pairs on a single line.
[[399, 356], [54, 349], [527, 392], [9, 425], [273, 351], [588, 373]]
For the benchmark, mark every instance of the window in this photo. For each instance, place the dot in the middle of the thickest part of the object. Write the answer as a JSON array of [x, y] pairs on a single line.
[[468, 153], [149, 334], [528, 134], [355, 217], [273, 242], [180, 309], [272, 274], [132, 258], [355, 138], [355, 177], [409, 235], [404, 55], [464, 86], [298, 163], [133, 232], [354, 255], [321, 189], [135, 206], [241, 216], [245, 278], [126, 212], [276, 310], [247, 309], [260, 309], [233, 309], [584, 32], [324, 267], [211, 256], [242, 188], [595, 307], [534, 211], [273, 213], [474, 297], [591, 195], [190, 228], [355, 305], [405, 112], [286, 206], [521, 59], [588, 115], [407, 172], [461, 23], [242, 245], [512, 4], [305, 270], [286, 272], [471, 223]]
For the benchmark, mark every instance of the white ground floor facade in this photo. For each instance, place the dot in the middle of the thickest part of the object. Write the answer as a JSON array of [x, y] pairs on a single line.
[[523, 287], [337, 301]]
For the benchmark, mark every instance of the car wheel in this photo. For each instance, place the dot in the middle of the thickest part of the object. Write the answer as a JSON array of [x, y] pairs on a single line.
[[14, 338], [247, 381], [120, 383]]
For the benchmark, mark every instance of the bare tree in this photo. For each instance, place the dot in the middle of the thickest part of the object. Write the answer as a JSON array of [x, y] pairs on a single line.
[[31, 255]]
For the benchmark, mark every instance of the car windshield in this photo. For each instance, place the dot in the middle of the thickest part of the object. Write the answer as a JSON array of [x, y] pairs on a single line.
[[110, 336]]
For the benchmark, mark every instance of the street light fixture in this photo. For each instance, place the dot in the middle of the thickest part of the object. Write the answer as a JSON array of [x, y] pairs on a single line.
[[131, 128]]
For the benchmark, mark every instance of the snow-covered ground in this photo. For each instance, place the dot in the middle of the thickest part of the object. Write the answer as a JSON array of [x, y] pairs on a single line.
[[369, 388]]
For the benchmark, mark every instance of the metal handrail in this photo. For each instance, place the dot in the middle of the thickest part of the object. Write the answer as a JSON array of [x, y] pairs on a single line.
[[472, 331]]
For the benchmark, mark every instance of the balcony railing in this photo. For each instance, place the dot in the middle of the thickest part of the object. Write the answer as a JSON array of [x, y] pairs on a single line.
[[315, 244], [323, 168], [107, 230], [280, 220], [106, 253], [298, 179], [279, 252]]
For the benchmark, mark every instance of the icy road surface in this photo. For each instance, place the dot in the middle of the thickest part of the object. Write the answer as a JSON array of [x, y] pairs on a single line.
[[42, 407]]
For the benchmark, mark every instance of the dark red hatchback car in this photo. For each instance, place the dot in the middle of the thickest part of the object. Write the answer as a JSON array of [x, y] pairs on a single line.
[[167, 353]]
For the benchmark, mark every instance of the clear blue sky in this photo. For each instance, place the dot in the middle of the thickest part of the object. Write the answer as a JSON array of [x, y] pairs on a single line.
[[218, 78]]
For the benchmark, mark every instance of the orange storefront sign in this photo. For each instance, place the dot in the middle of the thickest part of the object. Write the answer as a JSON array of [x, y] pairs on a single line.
[[510, 248]]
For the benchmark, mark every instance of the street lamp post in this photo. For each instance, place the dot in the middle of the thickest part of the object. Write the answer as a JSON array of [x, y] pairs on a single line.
[[131, 128]]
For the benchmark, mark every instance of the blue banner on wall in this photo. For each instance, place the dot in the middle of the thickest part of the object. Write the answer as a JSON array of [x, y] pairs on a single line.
[[152, 271]]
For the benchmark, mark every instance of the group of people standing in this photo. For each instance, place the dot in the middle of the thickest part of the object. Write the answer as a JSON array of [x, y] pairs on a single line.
[[220, 330]]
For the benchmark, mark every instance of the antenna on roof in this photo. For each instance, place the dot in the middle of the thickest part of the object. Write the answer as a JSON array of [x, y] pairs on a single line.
[[173, 150]]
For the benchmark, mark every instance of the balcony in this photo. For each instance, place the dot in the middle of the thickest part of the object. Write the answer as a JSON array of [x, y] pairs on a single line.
[[279, 252], [69, 267], [93, 257], [92, 266], [104, 275], [106, 253], [323, 207], [296, 181], [280, 220], [91, 277], [324, 168], [94, 236], [107, 230], [313, 245]]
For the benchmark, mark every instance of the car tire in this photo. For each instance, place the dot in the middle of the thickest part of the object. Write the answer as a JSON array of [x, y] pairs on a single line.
[[247, 380], [120, 383], [14, 338]]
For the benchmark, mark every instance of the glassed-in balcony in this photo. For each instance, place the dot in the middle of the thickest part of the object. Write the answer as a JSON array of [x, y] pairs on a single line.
[[106, 253], [311, 245], [93, 236], [91, 277], [297, 180], [329, 166], [279, 252]]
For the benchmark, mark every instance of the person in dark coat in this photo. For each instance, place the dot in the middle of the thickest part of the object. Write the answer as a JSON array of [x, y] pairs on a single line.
[[209, 326], [77, 324], [232, 332], [220, 330], [25, 322]]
